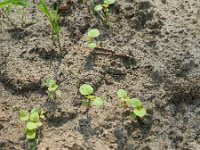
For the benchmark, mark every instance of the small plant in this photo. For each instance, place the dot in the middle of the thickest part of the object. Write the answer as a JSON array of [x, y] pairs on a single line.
[[33, 122], [92, 34], [103, 11], [7, 4], [87, 91], [53, 89], [134, 103], [53, 17]]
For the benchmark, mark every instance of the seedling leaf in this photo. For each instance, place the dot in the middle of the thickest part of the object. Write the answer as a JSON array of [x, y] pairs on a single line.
[[5, 3], [135, 102], [91, 45], [24, 115], [86, 89], [14, 2], [109, 1], [35, 110], [50, 82], [20, 3], [34, 117], [30, 134], [98, 8], [122, 93], [93, 33], [97, 102], [105, 5], [31, 125], [140, 112]]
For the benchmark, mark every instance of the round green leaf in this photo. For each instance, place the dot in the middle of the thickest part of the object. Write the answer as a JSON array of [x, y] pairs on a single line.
[[109, 1], [35, 110], [135, 102], [98, 8], [91, 45], [24, 115], [93, 33], [31, 125], [31, 134], [50, 82], [34, 117], [122, 93], [140, 112], [86, 89], [97, 102]]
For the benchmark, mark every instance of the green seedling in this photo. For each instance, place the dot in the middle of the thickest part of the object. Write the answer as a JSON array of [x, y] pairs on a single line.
[[7, 4], [33, 123], [53, 17], [92, 34], [103, 11], [87, 91], [53, 89], [134, 103]]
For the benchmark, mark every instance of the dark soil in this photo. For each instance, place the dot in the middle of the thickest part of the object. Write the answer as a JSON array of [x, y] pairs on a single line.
[[153, 51]]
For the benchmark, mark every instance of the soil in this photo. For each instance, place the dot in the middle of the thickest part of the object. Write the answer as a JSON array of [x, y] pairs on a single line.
[[152, 51]]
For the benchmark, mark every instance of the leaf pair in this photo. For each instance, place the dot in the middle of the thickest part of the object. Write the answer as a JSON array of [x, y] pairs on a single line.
[[53, 89], [105, 4], [135, 103], [139, 110], [33, 122], [87, 91], [92, 34]]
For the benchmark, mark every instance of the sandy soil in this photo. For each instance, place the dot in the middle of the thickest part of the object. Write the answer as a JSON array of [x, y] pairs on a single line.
[[153, 51]]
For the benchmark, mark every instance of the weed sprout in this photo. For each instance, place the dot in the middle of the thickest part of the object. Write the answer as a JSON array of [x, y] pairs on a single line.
[[53, 89], [103, 11], [134, 103], [92, 34], [33, 122], [53, 17], [87, 91], [7, 4]]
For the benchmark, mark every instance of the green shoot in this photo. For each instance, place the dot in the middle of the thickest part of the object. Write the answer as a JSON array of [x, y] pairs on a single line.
[[134, 103], [92, 34], [33, 122], [9, 3], [53, 17], [87, 91], [103, 11], [53, 89]]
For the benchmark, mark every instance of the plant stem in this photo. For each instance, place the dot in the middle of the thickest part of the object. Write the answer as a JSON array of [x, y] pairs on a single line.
[[59, 43]]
